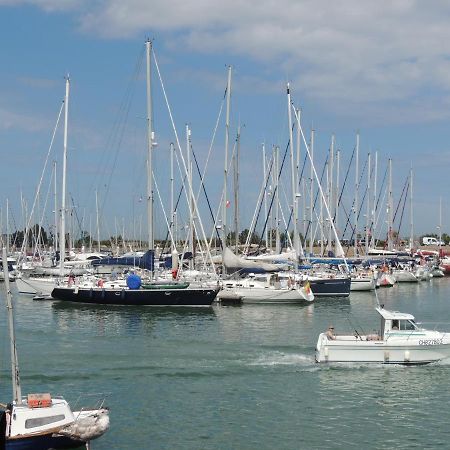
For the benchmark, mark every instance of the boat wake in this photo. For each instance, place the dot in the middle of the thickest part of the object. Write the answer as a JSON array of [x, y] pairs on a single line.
[[284, 359]]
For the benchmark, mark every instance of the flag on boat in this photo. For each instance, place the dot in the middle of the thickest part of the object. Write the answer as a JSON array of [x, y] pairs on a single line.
[[307, 287]]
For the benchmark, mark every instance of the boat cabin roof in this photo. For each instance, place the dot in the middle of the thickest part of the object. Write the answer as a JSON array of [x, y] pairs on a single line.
[[394, 315]]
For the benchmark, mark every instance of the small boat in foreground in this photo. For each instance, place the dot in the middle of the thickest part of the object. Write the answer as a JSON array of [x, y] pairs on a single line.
[[399, 341], [40, 421]]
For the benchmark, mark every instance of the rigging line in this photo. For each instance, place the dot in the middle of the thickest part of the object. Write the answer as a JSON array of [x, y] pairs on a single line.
[[118, 127], [345, 181], [299, 186], [76, 214], [353, 203], [316, 196], [396, 210], [202, 186], [120, 137], [400, 199], [273, 195], [38, 237], [403, 210], [166, 240], [182, 157], [202, 177], [42, 177]]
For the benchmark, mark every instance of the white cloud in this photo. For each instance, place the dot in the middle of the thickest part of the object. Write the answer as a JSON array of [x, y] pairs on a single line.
[[354, 52]]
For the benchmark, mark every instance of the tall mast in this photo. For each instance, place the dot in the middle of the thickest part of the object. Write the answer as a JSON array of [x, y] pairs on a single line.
[[148, 46], [98, 221], [172, 151], [311, 195], [7, 225], [390, 207], [277, 200], [411, 212], [336, 208], [236, 188], [55, 193], [374, 201], [62, 239], [356, 196], [191, 207], [225, 172], [17, 393], [293, 177], [330, 192], [266, 231], [368, 202]]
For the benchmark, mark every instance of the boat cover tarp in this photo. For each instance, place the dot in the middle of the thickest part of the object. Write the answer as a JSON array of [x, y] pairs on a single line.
[[144, 262], [235, 263]]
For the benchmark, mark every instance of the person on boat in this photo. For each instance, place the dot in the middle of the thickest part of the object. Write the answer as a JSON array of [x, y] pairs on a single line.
[[330, 333], [395, 324]]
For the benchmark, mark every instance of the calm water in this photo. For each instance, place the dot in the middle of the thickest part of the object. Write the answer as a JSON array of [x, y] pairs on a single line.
[[235, 377]]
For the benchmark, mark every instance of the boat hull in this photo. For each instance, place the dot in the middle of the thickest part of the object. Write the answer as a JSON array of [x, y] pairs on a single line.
[[356, 350], [266, 295], [153, 297], [330, 287], [404, 276], [35, 286], [362, 284], [43, 442]]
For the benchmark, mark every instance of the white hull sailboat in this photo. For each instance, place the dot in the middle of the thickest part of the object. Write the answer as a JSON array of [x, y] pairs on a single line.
[[266, 289]]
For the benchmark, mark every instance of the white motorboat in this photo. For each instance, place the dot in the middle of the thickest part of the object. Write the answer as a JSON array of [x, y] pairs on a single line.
[[267, 288], [399, 341]]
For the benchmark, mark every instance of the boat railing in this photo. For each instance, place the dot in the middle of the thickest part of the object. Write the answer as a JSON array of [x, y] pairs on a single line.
[[89, 401]]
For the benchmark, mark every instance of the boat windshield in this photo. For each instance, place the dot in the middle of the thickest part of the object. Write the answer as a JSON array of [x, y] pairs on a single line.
[[408, 325]]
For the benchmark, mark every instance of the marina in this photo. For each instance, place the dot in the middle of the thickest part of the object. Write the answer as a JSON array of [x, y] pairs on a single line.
[[224, 226], [233, 368]]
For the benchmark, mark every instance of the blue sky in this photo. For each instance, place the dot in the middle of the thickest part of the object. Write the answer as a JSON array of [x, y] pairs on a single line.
[[381, 68]]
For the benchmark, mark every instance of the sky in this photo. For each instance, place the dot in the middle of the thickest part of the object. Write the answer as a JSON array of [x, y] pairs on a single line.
[[380, 69]]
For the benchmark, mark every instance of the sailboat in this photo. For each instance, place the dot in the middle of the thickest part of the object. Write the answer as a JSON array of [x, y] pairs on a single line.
[[154, 294], [40, 421]]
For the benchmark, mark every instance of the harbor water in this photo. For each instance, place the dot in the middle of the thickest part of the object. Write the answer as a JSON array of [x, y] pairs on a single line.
[[235, 377]]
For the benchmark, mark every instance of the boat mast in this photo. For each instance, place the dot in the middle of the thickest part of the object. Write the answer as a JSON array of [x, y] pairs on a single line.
[[355, 210], [191, 206], [225, 171], [266, 231], [311, 194], [7, 225], [62, 238], [390, 207], [411, 212], [336, 208], [330, 193], [148, 46], [172, 151], [98, 221], [277, 201], [55, 236], [374, 202], [236, 189], [17, 393], [368, 202], [293, 176]]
